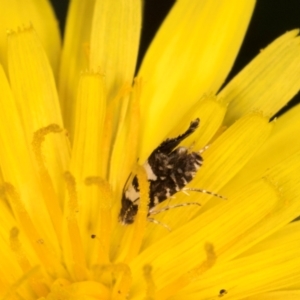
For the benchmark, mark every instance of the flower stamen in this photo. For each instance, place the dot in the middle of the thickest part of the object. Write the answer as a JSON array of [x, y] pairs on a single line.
[[31, 232], [190, 276], [49, 195], [151, 288], [73, 229], [36, 284], [104, 225], [11, 292], [123, 284]]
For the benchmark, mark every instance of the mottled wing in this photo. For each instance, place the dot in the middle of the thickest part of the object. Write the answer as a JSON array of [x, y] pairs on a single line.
[[182, 168], [130, 201], [169, 145], [168, 171]]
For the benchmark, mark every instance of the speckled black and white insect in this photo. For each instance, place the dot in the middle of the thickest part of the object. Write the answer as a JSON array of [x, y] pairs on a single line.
[[169, 170]]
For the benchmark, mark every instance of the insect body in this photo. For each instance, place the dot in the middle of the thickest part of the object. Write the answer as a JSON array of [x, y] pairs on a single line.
[[169, 170]]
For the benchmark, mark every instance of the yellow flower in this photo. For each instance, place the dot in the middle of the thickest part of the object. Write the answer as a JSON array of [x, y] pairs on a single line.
[[66, 153]]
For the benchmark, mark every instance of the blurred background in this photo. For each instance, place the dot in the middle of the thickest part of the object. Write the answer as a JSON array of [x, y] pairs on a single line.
[[271, 18]]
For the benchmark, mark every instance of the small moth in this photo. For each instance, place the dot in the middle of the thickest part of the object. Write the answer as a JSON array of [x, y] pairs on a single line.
[[169, 170]]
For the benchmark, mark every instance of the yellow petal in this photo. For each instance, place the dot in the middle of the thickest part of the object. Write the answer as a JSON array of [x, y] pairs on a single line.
[[114, 41], [279, 295], [137, 234], [190, 56], [12, 138], [104, 39], [90, 114], [284, 177], [38, 13], [75, 55], [34, 89], [279, 147], [75, 260], [126, 144], [274, 267], [179, 252], [210, 111], [86, 154], [22, 172], [262, 85], [86, 290]]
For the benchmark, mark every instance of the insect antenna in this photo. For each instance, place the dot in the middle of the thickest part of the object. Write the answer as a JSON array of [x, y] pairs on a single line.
[[155, 212], [126, 182], [184, 190]]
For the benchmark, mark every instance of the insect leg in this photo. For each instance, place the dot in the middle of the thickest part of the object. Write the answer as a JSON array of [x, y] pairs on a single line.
[[159, 223]]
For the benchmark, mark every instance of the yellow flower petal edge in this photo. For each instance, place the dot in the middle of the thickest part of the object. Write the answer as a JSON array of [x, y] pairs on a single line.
[[38, 13], [114, 41], [74, 57], [190, 56], [262, 84], [279, 147], [277, 264], [287, 233], [34, 89]]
